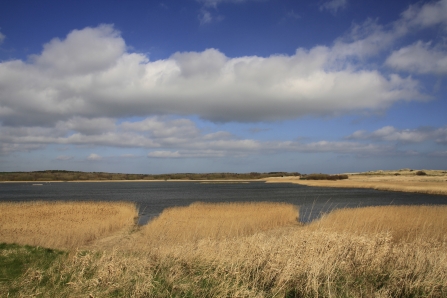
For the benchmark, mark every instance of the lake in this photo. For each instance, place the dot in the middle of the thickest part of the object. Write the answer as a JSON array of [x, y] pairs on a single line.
[[153, 197]]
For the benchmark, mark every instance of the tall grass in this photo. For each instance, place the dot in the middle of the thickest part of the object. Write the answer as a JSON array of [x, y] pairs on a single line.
[[403, 223], [434, 185], [365, 252], [217, 221], [62, 224]]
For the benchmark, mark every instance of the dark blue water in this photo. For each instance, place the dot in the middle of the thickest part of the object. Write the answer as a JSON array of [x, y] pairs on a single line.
[[153, 197]]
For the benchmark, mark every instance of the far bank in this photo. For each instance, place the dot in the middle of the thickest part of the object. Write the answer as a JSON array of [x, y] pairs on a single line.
[[405, 180]]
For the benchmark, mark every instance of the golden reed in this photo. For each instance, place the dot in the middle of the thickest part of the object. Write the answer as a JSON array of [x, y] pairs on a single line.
[[63, 224]]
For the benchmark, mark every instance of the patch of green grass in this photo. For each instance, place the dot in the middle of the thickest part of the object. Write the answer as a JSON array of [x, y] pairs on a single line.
[[16, 259]]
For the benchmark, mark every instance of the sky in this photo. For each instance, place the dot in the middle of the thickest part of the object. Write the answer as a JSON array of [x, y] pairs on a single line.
[[175, 86]]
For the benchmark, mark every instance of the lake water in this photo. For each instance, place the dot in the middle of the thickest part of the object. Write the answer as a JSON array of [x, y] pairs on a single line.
[[153, 197]]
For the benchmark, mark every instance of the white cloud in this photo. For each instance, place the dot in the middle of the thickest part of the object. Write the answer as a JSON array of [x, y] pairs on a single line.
[[390, 133], [164, 154], [167, 138], [94, 157], [82, 52], [88, 126], [8, 148], [334, 5], [427, 15], [205, 17], [60, 84], [420, 58], [2, 38], [366, 40], [370, 38]]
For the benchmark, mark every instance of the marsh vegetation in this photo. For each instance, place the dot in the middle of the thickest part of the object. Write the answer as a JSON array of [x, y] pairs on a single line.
[[245, 250]]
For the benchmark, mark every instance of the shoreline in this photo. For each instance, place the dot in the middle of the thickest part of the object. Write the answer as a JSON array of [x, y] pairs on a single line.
[[434, 185], [139, 180]]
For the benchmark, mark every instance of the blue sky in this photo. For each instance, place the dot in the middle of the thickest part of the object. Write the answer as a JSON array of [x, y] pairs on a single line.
[[223, 85]]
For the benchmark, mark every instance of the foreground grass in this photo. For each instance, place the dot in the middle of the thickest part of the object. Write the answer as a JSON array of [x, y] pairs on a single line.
[[334, 257], [16, 260]]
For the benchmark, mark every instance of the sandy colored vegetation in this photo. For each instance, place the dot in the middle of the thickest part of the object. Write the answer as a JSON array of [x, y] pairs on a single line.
[[217, 221], [63, 224], [434, 182], [396, 251], [402, 223]]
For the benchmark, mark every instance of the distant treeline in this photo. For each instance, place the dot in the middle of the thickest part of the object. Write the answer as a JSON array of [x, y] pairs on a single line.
[[58, 175], [323, 177]]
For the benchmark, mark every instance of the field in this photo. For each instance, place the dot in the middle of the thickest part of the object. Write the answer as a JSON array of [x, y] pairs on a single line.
[[238, 250]]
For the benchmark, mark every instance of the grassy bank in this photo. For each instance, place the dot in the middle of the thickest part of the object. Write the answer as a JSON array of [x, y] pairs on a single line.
[[433, 182], [364, 252]]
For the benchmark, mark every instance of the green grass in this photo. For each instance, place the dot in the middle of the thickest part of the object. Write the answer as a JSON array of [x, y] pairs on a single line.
[[15, 260]]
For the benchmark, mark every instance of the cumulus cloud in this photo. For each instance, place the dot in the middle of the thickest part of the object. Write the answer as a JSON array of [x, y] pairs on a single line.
[[8, 148], [78, 90], [166, 138], [155, 132], [61, 84], [82, 52], [370, 38], [87, 126], [427, 15], [334, 5], [164, 154], [419, 57], [205, 17], [390, 133], [94, 157]]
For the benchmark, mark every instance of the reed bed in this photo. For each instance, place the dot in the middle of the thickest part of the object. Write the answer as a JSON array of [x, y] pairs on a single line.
[[434, 185], [365, 252], [217, 221], [403, 223], [288, 262], [63, 224]]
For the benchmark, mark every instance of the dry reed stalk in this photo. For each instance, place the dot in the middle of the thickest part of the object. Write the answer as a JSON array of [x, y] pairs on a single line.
[[63, 224], [291, 261], [428, 185], [404, 223], [287, 262], [217, 221]]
